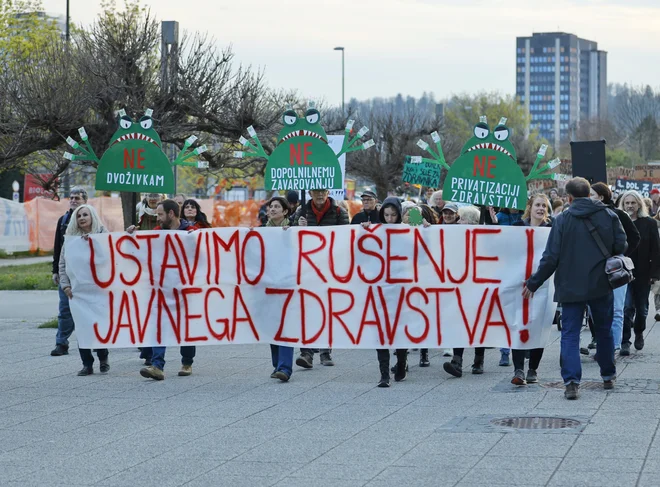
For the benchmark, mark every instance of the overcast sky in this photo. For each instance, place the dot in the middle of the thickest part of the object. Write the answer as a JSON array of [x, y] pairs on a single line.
[[407, 46]]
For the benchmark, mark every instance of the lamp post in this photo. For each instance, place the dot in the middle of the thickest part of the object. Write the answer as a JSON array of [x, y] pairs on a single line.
[[342, 78], [68, 32]]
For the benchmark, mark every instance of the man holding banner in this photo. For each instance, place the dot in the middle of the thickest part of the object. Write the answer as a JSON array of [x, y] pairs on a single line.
[[575, 258]]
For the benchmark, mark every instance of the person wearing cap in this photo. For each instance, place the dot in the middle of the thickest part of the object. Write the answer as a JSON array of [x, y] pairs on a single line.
[[655, 197], [369, 213], [450, 214], [294, 201]]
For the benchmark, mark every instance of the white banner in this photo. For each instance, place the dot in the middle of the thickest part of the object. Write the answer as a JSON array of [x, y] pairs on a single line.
[[14, 227], [393, 286]]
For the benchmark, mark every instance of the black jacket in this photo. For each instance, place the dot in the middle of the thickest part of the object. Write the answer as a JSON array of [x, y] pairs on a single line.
[[646, 256], [62, 224], [632, 234], [363, 217], [573, 255], [527, 223], [335, 215]]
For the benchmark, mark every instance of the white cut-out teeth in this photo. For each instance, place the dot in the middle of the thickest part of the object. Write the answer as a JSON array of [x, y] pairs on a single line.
[[135, 136], [491, 146], [302, 133]]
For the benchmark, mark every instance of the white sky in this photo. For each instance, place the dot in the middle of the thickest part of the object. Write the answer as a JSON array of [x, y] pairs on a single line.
[[406, 46]]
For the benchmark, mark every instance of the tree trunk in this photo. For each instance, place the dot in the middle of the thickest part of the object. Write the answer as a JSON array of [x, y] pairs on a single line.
[[128, 202]]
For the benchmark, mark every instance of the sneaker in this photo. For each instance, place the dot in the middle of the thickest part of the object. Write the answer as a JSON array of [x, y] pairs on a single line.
[[608, 384], [584, 351], [273, 376], [657, 317], [532, 377], [105, 366], [592, 344], [152, 372], [85, 371], [384, 380], [281, 375], [401, 370], [60, 350], [305, 361], [519, 378], [185, 371], [504, 360], [423, 358], [639, 341], [448, 352], [572, 391], [326, 360], [478, 368], [625, 349]]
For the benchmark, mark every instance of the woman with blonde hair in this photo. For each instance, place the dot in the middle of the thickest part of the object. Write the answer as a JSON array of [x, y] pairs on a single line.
[[84, 222]]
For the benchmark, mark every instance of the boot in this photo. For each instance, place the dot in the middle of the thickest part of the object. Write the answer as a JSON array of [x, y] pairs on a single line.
[[401, 367], [424, 357], [478, 365], [384, 373], [455, 367]]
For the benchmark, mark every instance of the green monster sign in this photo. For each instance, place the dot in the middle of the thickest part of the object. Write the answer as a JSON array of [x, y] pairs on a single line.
[[487, 172], [302, 158], [135, 161]]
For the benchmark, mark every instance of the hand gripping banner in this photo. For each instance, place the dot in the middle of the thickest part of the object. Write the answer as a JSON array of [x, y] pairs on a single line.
[[392, 286]]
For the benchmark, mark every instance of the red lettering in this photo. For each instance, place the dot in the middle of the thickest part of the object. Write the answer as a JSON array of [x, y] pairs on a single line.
[[289, 295], [217, 243], [175, 322], [149, 238], [472, 331], [140, 158], [437, 292], [479, 165], [419, 241], [142, 329], [184, 255], [491, 166], [111, 264], [528, 271], [129, 159], [349, 274], [295, 154], [170, 248], [476, 258], [371, 302], [106, 339], [495, 301], [224, 321], [302, 254], [124, 306], [239, 297], [390, 329], [390, 258], [467, 262], [120, 241], [427, 324], [371, 253], [337, 314], [307, 153], [303, 315], [262, 257], [185, 292]]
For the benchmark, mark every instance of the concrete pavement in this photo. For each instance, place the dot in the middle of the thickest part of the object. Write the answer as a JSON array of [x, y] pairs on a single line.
[[230, 424]]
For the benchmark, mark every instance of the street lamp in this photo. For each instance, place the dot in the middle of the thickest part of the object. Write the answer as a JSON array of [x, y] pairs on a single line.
[[68, 32], [342, 78]]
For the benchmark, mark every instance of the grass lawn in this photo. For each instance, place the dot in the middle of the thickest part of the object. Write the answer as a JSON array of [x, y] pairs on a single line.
[[49, 324], [27, 277]]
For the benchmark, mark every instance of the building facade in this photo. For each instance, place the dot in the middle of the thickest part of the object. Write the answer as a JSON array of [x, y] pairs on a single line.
[[561, 79]]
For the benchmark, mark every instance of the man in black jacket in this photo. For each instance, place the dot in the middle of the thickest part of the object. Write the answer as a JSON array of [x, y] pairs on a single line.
[[65, 325], [369, 212], [321, 211], [573, 255]]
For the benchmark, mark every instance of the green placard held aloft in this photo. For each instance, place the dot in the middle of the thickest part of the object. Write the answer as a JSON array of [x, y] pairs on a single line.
[[134, 160], [487, 171], [422, 172], [302, 158]]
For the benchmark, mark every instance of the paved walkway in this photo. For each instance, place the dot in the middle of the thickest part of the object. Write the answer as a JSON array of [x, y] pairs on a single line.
[[229, 424], [25, 261]]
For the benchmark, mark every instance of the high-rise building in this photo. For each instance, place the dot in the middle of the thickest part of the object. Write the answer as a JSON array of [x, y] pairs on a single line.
[[561, 79]]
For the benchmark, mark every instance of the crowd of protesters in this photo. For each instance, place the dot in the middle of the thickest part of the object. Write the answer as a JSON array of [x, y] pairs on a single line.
[[625, 224]]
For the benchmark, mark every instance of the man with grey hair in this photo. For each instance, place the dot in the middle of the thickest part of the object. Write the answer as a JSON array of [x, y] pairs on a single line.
[[65, 325]]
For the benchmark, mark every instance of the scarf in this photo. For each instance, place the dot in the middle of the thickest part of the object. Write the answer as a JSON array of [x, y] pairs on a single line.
[[320, 213]]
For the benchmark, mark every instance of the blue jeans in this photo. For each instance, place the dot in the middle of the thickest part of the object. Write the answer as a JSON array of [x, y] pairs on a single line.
[[65, 324], [636, 309], [158, 357], [572, 315], [282, 358], [617, 320]]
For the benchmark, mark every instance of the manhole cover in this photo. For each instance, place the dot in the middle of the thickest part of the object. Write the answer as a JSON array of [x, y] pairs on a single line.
[[536, 423], [585, 384]]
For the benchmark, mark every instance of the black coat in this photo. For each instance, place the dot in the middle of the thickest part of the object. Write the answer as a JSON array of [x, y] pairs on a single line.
[[573, 255], [363, 217], [632, 234], [646, 256], [335, 215], [62, 224]]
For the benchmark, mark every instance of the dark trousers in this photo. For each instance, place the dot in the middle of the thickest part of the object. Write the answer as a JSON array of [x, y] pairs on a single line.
[[535, 355], [312, 351], [635, 309], [479, 353], [87, 357], [384, 355]]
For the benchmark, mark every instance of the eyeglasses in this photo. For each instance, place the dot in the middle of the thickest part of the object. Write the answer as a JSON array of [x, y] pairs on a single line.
[[76, 198]]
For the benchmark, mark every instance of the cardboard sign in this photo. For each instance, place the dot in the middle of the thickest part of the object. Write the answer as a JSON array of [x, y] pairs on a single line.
[[392, 286], [422, 173], [642, 187], [14, 227], [487, 172], [303, 158], [134, 160]]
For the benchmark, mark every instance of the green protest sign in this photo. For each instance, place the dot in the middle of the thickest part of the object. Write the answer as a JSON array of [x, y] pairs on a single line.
[[134, 160], [487, 172], [416, 171], [415, 217], [302, 158]]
